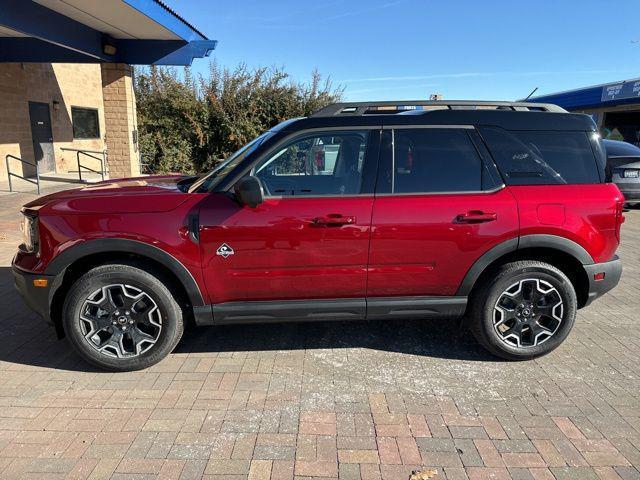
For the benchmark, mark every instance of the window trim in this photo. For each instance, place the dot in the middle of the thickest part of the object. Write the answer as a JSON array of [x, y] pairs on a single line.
[[97, 110], [486, 162], [417, 127], [371, 156]]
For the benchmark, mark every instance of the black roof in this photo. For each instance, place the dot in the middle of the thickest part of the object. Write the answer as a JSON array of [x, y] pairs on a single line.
[[507, 119]]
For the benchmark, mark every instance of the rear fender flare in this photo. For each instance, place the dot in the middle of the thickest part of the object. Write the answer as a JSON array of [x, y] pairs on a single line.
[[513, 245]]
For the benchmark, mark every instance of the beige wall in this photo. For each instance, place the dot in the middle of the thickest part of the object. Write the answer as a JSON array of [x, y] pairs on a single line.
[[78, 85], [120, 114]]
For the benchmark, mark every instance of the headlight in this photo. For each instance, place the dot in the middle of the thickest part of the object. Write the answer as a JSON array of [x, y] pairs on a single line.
[[29, 229]]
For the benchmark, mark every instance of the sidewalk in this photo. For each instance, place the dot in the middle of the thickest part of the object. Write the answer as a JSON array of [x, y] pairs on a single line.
[[355, 401]]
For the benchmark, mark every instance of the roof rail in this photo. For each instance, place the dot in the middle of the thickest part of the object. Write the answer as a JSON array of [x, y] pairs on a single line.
[[394, 107]]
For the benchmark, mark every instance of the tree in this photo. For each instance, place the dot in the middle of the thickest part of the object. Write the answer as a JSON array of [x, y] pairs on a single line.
[[188, 124]]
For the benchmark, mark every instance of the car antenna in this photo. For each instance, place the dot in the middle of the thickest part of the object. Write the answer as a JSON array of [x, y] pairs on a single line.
[[532, 92]]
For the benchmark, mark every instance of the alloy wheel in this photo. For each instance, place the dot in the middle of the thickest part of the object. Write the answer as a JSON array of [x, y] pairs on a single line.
[[120, 321], [528, 313]]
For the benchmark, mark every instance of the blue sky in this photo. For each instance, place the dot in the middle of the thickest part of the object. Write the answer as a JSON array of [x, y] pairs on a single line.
[[393, 49]]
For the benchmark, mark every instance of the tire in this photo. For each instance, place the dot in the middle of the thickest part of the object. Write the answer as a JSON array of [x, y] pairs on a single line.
[[523, 337], [145, 332]]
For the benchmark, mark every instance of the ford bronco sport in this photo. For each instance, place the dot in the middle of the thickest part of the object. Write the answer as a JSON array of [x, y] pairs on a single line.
[[491, 211]]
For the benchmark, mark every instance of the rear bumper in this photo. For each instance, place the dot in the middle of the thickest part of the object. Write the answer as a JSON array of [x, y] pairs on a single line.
[[631, 194], [36, 298], [612, 271], [631, 191]]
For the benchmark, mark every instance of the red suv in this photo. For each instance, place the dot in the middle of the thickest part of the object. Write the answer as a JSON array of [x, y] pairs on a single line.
[[496, 211]]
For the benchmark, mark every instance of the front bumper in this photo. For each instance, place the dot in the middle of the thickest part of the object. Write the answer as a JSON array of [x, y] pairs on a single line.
[[612, 271], [36, 298]]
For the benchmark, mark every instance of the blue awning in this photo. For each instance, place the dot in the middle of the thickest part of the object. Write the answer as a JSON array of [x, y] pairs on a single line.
[[143, 32], [626, 92]]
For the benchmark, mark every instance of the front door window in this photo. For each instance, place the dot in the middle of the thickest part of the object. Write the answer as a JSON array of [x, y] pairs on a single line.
[[318, 164]]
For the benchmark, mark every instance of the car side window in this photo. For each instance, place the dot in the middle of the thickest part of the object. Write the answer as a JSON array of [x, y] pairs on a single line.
[[432, 160], [543, 157], [327, 163]]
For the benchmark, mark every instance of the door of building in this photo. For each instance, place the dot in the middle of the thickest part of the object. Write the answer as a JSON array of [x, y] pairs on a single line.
[[42, 136]]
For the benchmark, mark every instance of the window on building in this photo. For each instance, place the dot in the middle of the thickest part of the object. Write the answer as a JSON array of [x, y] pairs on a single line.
[[431, 160], [321, 164], [623, 126], [542, 158], [85, 122]]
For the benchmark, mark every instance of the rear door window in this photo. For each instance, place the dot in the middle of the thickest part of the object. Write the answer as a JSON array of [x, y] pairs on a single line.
[[542, 157], [436, 160]]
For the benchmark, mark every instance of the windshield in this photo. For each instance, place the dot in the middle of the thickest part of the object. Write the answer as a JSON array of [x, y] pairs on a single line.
[[208, 181]]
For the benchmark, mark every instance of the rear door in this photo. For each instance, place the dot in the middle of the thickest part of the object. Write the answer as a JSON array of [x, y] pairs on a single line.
[[439, 206], [309, 240]]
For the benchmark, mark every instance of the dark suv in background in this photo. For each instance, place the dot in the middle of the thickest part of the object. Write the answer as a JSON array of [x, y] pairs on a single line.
[[623, 168], [384, 210]]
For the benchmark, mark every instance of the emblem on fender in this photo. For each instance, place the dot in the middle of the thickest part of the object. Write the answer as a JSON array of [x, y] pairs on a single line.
[[224, 251]]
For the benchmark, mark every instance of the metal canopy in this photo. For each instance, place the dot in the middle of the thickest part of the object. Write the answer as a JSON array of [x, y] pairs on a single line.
[[91, 31], [625, 92]]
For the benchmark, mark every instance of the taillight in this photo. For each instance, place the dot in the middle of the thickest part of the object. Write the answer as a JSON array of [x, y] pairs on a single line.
[[619, 217]]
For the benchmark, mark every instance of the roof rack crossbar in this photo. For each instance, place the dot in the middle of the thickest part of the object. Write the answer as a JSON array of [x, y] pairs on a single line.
[[362, 108]]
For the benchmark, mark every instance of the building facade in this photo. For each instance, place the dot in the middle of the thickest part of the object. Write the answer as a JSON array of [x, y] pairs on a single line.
[[56, 104], [66, 80]]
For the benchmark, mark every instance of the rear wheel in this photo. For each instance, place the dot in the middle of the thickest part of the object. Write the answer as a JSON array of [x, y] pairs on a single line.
[[525, 312], [121, 318]]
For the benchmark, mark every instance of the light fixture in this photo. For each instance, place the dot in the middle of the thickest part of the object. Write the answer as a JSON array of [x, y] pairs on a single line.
[[109, 49], [56, 105]]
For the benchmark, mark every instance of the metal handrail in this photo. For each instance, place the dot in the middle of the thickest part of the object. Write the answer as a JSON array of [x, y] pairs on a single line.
[[144, 165], [103, 161], [36, 182]]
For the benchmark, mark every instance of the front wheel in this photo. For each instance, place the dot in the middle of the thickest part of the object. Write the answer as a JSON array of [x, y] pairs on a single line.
[[526, 311], [121, 318]]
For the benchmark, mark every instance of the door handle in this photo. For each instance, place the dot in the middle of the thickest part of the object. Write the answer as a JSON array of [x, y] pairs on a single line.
[[476, 216], [333, 220]]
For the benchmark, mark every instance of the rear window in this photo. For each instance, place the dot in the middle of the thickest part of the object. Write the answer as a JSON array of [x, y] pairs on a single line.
[[542, 157]]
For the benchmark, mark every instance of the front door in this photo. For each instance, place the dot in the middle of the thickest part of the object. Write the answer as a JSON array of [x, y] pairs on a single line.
[[42, 136], [307, 242], [439, 206]]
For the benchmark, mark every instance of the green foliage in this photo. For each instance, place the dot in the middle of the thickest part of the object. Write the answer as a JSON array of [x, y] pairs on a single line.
[[187, 124]]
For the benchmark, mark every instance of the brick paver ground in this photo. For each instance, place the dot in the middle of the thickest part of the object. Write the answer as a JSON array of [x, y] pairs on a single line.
[[359, 401]]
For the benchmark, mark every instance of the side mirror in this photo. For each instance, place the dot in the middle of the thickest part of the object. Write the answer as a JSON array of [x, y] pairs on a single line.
[[249, 191]]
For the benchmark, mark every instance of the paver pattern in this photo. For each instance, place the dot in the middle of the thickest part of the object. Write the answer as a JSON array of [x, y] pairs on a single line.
[[357, 401]]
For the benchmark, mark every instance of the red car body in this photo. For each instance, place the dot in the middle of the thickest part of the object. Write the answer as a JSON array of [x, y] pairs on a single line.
[[370, 255]]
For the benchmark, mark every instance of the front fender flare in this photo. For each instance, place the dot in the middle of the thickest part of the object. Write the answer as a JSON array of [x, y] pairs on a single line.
[[121, 245]]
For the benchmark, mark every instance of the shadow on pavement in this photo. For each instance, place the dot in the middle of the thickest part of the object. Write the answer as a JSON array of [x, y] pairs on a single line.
[[27, 340]]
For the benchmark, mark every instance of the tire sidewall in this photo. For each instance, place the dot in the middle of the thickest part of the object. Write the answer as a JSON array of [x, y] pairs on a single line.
[[565, 290], [170, 313]]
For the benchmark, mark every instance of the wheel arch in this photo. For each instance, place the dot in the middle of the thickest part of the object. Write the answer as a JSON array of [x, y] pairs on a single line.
[[560, 252], [74, 262]]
